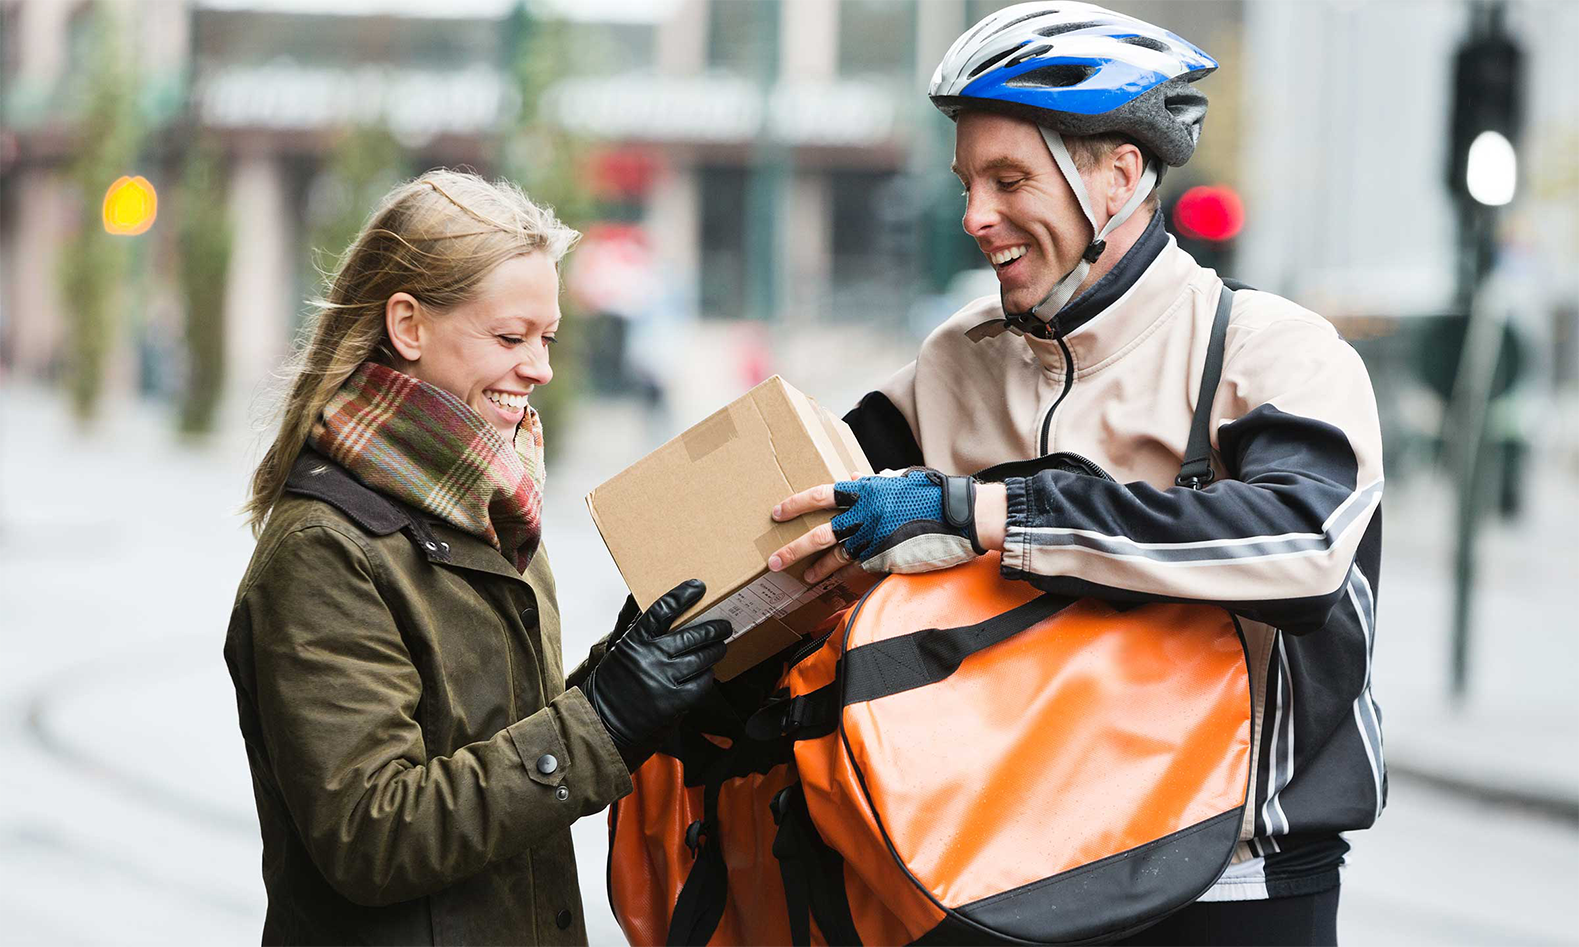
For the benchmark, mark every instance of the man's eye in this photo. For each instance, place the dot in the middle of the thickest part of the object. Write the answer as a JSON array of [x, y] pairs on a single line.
[[1009, 185], [511, 339]]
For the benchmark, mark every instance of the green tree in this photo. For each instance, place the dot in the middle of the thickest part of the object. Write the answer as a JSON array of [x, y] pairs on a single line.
[[365, 163], [204, 242], [94, 263], [549, 163]]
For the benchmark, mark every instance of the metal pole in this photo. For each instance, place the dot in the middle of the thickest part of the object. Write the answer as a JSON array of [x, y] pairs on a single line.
[[1468, 411]]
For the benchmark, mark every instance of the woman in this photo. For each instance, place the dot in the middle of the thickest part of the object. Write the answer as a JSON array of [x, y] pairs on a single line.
[[416, 757]]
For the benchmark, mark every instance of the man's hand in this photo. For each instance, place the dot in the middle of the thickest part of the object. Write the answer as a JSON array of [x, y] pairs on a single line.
[[903, 521]]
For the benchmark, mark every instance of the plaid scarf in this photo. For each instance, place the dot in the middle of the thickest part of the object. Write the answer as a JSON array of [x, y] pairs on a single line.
[[429, 449]]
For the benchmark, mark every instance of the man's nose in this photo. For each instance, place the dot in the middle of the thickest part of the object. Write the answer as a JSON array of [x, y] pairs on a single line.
[[980, 214]]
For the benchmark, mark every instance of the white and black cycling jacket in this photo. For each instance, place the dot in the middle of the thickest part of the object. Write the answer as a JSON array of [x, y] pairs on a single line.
[[1288, 536]]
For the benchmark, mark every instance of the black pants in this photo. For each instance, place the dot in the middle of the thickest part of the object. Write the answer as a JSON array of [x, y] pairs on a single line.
[[1310, 919]]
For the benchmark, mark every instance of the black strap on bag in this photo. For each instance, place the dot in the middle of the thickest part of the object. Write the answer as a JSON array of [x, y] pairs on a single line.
[[700, 904], [1196, 472], [813, 874]]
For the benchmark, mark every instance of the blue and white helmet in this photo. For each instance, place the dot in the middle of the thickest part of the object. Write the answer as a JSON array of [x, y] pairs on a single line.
[[1078, 69]]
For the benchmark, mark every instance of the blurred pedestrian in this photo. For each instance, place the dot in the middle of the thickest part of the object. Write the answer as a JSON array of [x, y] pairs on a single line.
[[1066, 116], [417, 758]]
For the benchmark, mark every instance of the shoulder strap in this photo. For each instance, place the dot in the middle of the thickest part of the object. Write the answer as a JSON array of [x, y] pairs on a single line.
[[1196, 471]]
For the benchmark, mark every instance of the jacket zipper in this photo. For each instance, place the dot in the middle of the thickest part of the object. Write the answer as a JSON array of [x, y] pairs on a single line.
[[1084, 465], [1069, 382]]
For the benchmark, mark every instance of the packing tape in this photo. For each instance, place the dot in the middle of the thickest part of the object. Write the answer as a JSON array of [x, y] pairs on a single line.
[[710, 435], [770, 542]]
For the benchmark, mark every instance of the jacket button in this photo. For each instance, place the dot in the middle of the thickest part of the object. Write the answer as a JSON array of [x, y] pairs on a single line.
[[562, 919], [529, 615], [562, 793], [546, 764]]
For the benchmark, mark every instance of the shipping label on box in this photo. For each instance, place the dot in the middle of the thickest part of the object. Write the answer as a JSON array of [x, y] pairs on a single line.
[[699, 507]]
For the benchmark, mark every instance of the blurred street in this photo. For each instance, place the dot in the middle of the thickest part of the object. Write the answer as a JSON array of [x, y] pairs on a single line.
[[127, 777]]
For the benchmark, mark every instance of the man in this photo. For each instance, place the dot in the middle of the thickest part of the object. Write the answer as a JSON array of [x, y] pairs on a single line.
[[1066, 114]]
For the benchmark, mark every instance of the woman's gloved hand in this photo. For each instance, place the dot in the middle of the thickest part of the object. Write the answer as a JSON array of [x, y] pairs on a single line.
[[651, 675]]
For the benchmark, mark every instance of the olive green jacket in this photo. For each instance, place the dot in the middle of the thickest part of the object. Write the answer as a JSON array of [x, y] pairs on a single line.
[[416, 759]]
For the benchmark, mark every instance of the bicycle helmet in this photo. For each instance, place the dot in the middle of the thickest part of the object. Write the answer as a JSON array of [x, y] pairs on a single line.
[[1080, 69]]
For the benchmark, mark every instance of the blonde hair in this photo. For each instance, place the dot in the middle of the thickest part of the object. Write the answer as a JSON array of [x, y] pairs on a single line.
[[436, 238]]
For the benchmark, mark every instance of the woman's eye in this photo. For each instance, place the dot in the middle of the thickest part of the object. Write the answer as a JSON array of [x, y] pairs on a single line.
[[550, 340], [511, 339]]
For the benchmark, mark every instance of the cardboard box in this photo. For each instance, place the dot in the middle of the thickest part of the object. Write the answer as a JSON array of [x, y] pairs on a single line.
[[700, 507]]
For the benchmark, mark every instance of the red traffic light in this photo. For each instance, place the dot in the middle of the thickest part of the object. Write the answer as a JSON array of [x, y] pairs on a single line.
[[1214, 213]]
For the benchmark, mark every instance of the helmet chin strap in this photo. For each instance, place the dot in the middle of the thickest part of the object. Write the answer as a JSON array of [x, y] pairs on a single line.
[[1065, 288]]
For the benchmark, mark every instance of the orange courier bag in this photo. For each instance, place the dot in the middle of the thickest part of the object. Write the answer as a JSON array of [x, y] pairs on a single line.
[[963, 760], [1044, 769]]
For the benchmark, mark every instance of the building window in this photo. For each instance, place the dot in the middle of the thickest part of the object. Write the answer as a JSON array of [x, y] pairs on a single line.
[[743, 37], [877, 37], [874, 243], [722, 192]]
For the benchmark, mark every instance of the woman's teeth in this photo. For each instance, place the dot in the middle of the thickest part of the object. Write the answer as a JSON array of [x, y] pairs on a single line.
[[504, 400], [1003, 256]]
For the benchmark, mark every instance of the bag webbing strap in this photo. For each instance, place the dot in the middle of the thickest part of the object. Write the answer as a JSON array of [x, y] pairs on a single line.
[[700, 904], [930, 655], [1196, 472], [813, 874], [805, 717]]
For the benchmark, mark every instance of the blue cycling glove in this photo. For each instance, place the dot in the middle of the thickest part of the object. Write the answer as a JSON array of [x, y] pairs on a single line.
[[915, 520]]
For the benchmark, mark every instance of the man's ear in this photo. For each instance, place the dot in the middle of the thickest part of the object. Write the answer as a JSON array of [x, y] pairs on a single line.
[[1125, 166], [403, 322]]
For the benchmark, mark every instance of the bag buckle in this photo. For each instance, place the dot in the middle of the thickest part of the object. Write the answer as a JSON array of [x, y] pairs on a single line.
[[780, 804], [694, 834]]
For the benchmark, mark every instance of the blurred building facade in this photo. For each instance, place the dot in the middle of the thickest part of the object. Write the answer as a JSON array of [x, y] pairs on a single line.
[[775, 160], [764, 160]]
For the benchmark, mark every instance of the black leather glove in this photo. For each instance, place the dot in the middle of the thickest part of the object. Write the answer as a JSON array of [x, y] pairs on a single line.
[[651, 675]]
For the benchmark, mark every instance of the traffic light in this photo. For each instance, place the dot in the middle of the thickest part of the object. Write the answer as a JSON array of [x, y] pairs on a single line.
[[1206, 219], [1488, 101], [130, 206]]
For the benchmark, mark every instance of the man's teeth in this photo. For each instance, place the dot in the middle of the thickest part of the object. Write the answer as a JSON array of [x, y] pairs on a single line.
[[503, 400], [1004, 256]]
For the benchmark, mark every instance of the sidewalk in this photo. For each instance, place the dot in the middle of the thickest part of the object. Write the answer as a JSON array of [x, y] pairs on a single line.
[[1515, 738], [120, 551]]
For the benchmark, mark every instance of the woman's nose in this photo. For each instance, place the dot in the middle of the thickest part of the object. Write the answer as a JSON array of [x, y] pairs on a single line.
[[535, 369]]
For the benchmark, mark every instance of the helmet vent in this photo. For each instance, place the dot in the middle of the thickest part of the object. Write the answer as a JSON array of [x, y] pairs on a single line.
[[1057, 28], [986, 64], [1004, 26], [1026, 54], [1146, 41], [1056, 76]]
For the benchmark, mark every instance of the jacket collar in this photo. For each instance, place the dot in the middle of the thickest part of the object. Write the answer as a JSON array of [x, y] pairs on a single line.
[[1114, 320], [1117, 281], [317, 476]]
